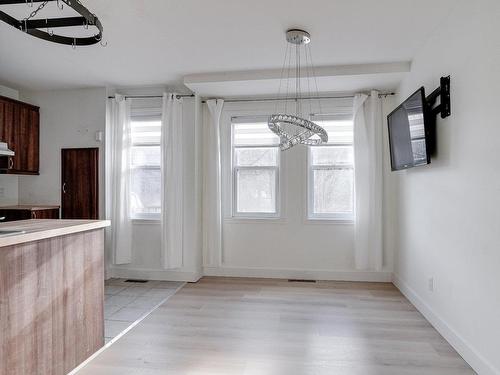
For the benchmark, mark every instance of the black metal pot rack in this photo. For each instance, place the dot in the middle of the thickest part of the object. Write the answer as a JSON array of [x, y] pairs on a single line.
[[34, 26]]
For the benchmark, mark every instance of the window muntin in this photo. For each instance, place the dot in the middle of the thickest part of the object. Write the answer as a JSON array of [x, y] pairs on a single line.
[[255, 169], [331, 171], [145, 186]]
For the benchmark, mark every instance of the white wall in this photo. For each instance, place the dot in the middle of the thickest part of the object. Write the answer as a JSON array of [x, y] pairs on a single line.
[[9, 92], [292, 246], [68, 118], [449, 212], [146, 235], [9, 186]]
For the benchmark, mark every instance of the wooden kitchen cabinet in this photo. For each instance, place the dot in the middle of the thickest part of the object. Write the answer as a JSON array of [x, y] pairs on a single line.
[[20, 129], [14, 213]]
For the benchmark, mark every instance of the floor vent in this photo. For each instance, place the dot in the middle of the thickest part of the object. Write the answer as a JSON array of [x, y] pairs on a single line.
[[301, 281], [136, 281]]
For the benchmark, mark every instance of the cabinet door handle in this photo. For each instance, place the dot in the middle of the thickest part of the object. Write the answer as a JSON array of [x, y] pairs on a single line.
[[11, 163], [64, 188]]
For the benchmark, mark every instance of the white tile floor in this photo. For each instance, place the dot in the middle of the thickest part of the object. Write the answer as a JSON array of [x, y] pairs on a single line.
[[126, 302]]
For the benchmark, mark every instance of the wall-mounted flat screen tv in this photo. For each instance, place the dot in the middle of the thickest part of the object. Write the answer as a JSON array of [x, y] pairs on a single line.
[[410, 133]]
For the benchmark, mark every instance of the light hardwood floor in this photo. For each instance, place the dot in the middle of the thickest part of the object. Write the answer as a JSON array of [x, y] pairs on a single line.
[[273, 327]]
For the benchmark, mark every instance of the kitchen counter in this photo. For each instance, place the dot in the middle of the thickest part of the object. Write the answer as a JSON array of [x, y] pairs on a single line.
[[51, 295], [35, 230]]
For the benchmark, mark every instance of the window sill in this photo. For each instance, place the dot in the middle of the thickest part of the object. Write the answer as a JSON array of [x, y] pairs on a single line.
[[146, 221], [254, 220], [326, 221]]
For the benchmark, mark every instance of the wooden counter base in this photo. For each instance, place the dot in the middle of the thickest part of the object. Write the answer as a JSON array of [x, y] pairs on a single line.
[[51, 303]]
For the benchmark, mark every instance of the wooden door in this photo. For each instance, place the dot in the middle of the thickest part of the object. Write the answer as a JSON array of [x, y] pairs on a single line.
[[80, 183]]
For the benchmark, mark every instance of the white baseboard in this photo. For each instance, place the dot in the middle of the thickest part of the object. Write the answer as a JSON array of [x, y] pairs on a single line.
[[272, 273], [281, 273], [468, 353], [153, 274]]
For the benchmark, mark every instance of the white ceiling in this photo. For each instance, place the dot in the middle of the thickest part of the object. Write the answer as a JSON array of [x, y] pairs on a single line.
[[158, 42]]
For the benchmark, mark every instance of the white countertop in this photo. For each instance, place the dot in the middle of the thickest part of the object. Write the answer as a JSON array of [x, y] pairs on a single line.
[[39, 229]]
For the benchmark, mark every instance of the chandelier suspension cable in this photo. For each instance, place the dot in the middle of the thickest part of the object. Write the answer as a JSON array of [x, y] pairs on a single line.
[[295, 129], [297, 81], [276, 107], [308, 74], [288, 78], [308, 49]]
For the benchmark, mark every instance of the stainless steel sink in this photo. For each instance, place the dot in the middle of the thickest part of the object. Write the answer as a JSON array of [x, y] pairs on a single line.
[[10, 232]]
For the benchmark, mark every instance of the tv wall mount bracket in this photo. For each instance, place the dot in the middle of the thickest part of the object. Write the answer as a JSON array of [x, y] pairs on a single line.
[[43, 27], [443, 92]]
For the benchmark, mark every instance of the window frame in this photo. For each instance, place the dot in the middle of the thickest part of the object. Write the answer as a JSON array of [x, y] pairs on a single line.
[[143, 114], [338, 217], [234, 172]]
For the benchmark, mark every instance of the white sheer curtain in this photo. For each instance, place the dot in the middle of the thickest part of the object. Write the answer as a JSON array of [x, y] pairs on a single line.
[[118, 210], [212, 198], [172, 166], [368, 181]]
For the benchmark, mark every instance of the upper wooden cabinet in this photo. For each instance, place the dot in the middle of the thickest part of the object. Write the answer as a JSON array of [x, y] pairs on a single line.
[[20, 128]]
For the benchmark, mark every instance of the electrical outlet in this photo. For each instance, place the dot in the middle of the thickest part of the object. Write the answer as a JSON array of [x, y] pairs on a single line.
[[430, 284]]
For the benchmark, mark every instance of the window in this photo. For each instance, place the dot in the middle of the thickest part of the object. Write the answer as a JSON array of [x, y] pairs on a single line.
[[331, 171], [255, 168], [145, 187]]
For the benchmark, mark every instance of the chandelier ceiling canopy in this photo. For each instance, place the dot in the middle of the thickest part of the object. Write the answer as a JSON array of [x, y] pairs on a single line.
[[43, 27], [291, 124]]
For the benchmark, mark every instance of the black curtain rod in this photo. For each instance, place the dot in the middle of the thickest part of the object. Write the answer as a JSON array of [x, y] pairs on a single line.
[[152, 96], [383, 95]]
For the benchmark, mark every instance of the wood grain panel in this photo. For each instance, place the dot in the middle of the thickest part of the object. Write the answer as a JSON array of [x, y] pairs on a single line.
[[51, 303]]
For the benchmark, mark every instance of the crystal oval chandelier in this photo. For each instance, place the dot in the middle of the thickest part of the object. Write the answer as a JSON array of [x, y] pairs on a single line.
[[291, 127]]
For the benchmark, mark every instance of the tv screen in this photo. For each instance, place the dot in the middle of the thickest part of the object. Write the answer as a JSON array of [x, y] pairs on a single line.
[[408, 133]]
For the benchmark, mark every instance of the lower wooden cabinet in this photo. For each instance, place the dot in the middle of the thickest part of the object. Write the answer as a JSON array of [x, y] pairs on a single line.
[[27, 212]]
